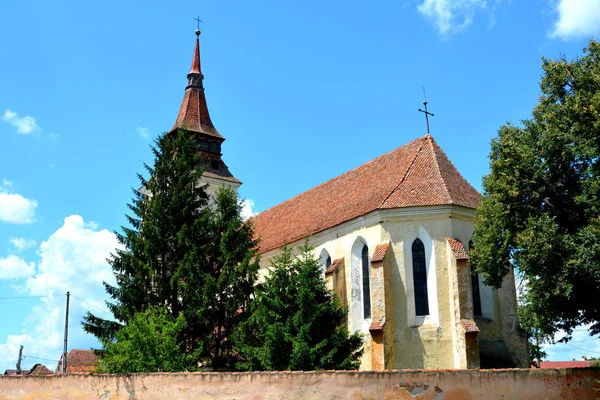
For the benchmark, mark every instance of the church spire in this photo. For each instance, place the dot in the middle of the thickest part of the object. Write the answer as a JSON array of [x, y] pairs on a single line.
[[194, 118], [193, 114]]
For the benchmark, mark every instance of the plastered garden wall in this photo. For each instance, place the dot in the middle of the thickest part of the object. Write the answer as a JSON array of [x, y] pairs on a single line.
[[521, 384]]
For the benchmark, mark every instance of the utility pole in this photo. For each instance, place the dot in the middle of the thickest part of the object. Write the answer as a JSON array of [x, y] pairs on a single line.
[[64, 363], [19, 360]]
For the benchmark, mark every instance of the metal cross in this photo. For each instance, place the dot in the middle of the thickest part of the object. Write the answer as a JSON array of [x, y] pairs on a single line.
[[198, 20], [427, 113]]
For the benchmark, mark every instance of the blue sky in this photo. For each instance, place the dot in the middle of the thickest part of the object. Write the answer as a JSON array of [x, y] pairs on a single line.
[[303, 91]]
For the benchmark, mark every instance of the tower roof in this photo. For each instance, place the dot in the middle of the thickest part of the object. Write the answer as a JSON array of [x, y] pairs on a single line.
[[193, 114], [416, 174]]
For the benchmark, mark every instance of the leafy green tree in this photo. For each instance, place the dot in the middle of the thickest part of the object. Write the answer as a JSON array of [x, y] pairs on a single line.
[[296, 323], [149, 343], [193, 255], [541, 209]]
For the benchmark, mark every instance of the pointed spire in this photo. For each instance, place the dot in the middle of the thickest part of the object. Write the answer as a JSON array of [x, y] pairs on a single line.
[[193, 113], [196, 60]]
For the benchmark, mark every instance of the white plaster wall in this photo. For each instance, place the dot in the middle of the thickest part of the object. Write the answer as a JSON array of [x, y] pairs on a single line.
[[429, 343]]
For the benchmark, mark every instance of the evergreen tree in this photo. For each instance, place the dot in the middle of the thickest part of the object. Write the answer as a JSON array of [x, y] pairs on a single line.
[[296, 323], [541, 206], [184, 252]]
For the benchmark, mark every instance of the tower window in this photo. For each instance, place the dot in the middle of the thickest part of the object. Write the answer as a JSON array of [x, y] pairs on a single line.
[[420, 278], [215, 164]]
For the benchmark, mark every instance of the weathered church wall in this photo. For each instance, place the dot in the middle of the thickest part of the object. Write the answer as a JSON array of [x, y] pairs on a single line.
[[425, 385], [422, 342], [438, 340]]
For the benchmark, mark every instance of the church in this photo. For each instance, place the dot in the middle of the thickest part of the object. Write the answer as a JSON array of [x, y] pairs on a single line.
[[393, 238]]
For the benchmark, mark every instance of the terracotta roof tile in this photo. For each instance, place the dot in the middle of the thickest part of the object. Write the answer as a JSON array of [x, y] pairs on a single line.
[[193, 114], [458, 249], [380, 252], [416, 174], [469, 325], [334, 265], [40, 369], [432, 180], [377, 325], [565, 364], [80, 361]]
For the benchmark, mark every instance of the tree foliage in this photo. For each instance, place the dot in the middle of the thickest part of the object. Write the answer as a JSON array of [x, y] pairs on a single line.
[[296, 323], [149, 343], [192, 255], [540, 210]]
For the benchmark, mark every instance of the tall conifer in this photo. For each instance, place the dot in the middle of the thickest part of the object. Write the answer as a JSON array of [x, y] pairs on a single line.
[[296, 323], [182, 251]]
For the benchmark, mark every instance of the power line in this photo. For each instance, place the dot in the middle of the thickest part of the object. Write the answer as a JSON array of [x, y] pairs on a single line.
[[581, 348], [91, 305], [39, 358], [31, 297]]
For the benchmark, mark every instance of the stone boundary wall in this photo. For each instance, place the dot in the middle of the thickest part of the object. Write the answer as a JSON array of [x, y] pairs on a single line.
[[521, 384]]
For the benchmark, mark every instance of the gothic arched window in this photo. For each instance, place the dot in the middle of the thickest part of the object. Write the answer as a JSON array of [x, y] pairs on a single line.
[[366, 284], [420, 278], [324, 260], [475, 288]]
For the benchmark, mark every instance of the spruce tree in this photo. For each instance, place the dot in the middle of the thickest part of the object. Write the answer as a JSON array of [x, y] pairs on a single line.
[[186, 253], [296, 323]]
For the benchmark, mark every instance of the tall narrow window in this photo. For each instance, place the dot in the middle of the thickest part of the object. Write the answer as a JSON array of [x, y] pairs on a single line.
[[475, 288], [420, 278], [325, 261], [366, 286]]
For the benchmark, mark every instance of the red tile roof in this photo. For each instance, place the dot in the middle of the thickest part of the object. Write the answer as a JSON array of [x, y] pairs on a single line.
[[469, 325], [565, 364], [377, 325], [193, 113], [40, 369], [79, 361], [458, 249], [416, 174], [380, 252], [334, 265]]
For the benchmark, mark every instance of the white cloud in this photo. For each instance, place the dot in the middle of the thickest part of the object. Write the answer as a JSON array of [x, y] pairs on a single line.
[[576, 19], [25, 125], [143, 131], [450, 16], [247, 206], [14, 267], [21, 244], [6, 185], [72, 259], [16, 209]]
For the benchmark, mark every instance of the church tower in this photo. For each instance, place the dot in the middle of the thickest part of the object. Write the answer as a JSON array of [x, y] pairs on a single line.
[[194, 118]]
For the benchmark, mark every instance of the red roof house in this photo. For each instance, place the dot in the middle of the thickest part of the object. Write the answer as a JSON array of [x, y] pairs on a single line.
[[78, 362]]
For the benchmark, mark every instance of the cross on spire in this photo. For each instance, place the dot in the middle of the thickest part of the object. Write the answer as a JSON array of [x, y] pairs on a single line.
[[198, 20], [427, 113]]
